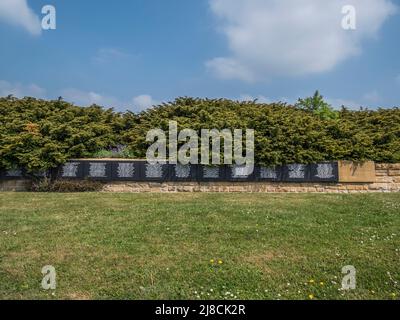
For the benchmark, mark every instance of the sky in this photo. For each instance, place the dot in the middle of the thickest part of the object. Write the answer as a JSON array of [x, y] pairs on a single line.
[[131, 54]]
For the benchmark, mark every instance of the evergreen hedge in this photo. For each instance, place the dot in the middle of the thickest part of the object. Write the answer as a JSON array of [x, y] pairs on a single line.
[[38, 134]]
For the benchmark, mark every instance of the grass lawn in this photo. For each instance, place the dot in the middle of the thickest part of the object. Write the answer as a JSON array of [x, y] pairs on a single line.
[[199, 246]]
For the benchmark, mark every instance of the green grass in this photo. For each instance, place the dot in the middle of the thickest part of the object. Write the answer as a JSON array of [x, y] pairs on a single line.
[[160, 246]]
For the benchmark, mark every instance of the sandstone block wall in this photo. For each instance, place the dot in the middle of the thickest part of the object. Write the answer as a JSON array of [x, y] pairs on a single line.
[[14, 185], [387, 179]]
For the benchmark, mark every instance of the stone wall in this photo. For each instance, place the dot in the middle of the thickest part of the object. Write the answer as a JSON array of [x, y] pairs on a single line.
[[14, 185], [387, 179]]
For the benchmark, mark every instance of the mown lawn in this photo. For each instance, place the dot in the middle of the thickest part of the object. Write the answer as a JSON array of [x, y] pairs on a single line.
[[199, 246]]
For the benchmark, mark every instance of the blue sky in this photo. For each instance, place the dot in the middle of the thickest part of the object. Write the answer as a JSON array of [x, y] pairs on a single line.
[[129, 54]]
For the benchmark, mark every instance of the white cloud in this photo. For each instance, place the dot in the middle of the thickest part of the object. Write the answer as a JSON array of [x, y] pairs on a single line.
[[143, 102], [18, 13], [105, 55], [270, 38], [87, 98], [230, 68], [78, 97], [20, 90], [259, 98]]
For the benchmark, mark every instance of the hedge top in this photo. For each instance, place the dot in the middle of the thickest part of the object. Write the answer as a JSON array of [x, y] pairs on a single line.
[[38, 134]]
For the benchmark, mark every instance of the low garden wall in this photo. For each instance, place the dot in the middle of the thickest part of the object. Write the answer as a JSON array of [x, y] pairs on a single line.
[[348, 177], [15, 185], [371, 178]]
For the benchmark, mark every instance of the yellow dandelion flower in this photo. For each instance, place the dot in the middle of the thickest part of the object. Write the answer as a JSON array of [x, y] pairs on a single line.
[[321, 283], [311, 296], [311, 281], [220, 262], [393, 295], [212, 261]]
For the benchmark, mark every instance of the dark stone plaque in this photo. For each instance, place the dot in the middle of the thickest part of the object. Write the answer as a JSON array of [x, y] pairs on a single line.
[[71, 170], [211, 173], [324, 172], [240, 173], [180, 172], [98, 170], [268, 173], [13, 174], [126, 170], [157, 172], [296, 173]]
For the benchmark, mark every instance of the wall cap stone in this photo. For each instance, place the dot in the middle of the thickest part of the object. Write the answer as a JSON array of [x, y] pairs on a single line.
[[350, 171]]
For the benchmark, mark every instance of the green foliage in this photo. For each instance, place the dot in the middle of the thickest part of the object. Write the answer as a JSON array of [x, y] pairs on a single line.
[[122, 153], [317, 105], [38, 134], [283, 133], [41, 185], [103, 154]]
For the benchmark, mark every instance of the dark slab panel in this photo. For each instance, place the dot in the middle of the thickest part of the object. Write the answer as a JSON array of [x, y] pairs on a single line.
[[153, 172], [179, 172], [211, 173], [13, 174], [324, 172], [296, 173], [240, 173], [71, 170], [126, 171], [271, 174], [97, 170]]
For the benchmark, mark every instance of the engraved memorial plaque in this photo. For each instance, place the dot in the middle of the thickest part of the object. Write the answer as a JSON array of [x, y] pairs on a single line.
[[325, 171], [182, 171], [14, 173], [126, 170], [97, 170], [70, 170], [241, 172], [154, 171], [211, 172], [328, 172], [268, 173], [297, 171]]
